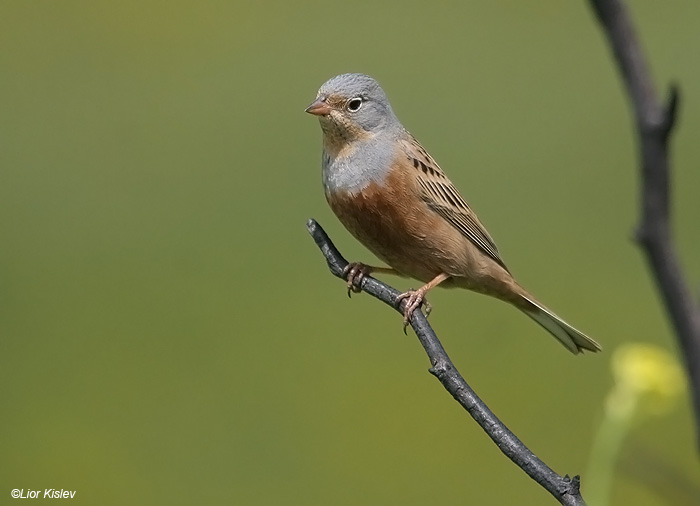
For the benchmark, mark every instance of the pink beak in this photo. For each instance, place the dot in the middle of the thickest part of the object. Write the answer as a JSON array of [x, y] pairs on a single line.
[[319, 108]]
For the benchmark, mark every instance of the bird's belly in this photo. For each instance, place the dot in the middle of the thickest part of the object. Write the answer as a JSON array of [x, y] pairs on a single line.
[[404, 232]]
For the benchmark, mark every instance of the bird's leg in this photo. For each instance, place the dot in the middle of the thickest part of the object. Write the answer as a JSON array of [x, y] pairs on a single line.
[[416, 298], [355, 272]]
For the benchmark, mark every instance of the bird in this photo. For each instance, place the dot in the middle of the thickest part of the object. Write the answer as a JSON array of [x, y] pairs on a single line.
[[393, 197]]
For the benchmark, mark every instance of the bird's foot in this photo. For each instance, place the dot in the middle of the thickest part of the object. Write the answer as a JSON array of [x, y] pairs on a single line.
[[415, 299], [355, 272]]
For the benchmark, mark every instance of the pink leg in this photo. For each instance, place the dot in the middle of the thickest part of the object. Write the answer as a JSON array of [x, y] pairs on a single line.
[[416, 298]]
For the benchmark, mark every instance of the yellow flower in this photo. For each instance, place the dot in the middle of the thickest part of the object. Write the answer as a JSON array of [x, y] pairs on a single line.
[[648, 380], [647, 377]]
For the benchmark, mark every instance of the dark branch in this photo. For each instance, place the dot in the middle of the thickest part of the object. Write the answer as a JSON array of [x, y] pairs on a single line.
[[563, 488], [654, 123]]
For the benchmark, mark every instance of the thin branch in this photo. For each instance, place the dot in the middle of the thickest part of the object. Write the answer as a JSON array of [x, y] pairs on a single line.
[[654, 123], [563, 488]]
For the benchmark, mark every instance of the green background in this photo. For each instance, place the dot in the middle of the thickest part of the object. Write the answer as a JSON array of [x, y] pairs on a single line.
[[170, 333]]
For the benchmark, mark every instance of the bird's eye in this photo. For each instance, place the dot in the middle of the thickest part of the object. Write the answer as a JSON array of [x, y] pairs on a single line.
[[354, 104]]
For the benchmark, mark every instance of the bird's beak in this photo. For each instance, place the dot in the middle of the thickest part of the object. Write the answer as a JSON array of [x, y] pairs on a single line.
[[319, 108]]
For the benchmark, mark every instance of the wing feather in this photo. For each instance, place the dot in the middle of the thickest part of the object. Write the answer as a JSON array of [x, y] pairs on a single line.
[[442, 196]]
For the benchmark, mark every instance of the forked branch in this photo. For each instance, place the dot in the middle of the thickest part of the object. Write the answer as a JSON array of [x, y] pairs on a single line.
[[654, 122]]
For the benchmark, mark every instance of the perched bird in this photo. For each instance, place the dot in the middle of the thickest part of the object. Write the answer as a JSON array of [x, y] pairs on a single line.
[[394, 198]]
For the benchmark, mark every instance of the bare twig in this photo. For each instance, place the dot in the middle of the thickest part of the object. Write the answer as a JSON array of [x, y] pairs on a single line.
[[654, 122], [563, 488]]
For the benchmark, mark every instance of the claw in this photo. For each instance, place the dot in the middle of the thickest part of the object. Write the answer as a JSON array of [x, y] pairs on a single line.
[[416, 299], [355, 272]]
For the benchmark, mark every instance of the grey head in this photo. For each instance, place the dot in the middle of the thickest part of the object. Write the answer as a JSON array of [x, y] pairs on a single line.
[[353, 107], [359, 132]]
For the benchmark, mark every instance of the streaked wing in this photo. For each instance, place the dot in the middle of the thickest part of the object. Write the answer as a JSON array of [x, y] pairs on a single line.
[[442, 196]]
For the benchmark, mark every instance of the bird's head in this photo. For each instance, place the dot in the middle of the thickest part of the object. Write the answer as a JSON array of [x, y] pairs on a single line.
[[353, 107]]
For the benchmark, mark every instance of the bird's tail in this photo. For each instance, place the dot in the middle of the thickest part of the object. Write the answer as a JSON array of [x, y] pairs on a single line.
[[572, 339]]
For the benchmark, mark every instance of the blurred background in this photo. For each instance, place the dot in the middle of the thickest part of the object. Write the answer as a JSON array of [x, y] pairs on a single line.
[[170, 333]]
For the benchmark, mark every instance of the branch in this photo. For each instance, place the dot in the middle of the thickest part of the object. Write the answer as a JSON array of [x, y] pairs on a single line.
[[563, 488], [654, 123]]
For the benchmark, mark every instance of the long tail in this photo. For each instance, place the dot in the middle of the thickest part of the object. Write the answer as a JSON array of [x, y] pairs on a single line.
[[572, 339]]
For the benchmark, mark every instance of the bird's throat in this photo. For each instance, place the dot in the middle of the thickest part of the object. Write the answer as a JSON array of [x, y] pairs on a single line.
[[351, 167]]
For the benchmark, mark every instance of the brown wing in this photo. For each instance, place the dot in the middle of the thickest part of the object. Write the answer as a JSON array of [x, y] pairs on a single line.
[[442, 196]]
